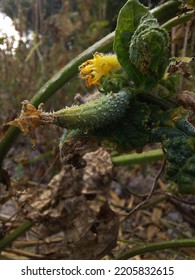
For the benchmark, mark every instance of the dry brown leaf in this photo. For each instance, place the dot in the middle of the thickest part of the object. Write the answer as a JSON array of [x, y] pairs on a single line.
[[162, 185], [101, 238], [61, 209], [187, 99], [180, 66], [151, 232], [156, 215], [190, 252], [162, 235], [98, 173], [178, 35]]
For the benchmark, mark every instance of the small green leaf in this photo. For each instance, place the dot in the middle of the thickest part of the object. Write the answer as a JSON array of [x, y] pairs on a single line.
[[128, 21], [128, 133], [186, 178], [181, 162], [141, 45], [148, 50], [2, 39]]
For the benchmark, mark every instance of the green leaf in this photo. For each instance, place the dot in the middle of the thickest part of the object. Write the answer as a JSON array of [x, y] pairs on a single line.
[[177, 136], [129, 132], [181, 162], [167, 87], [148, 50], [186, 178], [169, 124], [141, 45], [128, 21]]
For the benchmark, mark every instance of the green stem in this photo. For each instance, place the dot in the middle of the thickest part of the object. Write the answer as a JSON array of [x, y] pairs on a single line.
[[7, 141], [8, 239], [138, 158], [150, 247], [177, 20], [166, 11], [152, 99], [162, 12]]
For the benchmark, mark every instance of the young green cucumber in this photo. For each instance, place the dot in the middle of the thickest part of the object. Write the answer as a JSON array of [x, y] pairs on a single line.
[[93, 114]]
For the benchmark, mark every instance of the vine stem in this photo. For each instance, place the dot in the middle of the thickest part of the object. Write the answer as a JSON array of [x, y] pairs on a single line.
[[8, 239], [162, 245], [178, 20], [163, 13], [134, 158]]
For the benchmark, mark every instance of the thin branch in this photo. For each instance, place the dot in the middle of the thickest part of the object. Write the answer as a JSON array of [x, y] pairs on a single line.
[[162, 245], [37, 242], [138, 206], [184, 52], [171, 196], [25, 253]]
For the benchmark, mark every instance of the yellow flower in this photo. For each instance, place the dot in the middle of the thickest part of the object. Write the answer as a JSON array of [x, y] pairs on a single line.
[[101, 65]]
